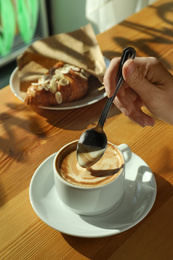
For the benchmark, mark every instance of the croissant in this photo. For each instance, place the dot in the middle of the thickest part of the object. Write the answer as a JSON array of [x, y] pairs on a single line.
[[63, 83]]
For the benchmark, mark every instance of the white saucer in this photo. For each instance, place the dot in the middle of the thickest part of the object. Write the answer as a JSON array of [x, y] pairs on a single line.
[[139, 197]]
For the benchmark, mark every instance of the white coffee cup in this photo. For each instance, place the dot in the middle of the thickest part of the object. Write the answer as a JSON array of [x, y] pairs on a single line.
[[90, 200]]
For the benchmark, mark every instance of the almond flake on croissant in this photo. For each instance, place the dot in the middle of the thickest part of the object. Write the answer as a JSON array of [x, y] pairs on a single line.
[[63, 83]]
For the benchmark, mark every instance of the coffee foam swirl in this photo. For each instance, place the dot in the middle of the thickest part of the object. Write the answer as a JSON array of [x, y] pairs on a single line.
[[102, 172], [87, 158]]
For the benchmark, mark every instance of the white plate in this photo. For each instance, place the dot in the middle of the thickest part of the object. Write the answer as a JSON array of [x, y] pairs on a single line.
[[94, 95], [139, 197]]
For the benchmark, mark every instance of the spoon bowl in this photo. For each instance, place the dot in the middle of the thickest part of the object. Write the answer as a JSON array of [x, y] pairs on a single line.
[[91, 146], [92, 143]]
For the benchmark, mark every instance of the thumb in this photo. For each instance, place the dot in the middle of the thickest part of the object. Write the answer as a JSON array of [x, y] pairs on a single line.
[[136, 79]]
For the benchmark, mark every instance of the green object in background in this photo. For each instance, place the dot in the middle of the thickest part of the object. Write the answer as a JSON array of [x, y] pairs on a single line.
[[7, 29], [27, 15]]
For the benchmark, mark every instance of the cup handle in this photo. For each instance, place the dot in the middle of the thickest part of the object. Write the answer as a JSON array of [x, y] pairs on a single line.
[[127, 153]]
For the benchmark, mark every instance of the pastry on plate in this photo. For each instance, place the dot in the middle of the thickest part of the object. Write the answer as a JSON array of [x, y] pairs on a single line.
[[63, 83]]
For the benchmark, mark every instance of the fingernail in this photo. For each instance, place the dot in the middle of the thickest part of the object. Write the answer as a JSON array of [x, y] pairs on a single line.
[[131, 67], [107, 91], [151, 122], [140, 122], [124, 111]]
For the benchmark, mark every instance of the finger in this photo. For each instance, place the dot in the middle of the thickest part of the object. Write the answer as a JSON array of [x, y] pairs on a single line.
[[133, 111], [127, 96], [153, 70], [142, 119], [135, 76], [110, 75]]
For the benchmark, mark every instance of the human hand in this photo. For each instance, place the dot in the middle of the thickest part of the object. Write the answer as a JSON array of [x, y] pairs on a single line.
[[146, 83]]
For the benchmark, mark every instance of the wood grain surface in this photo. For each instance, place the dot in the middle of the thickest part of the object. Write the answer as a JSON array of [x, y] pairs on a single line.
[[27, 137]]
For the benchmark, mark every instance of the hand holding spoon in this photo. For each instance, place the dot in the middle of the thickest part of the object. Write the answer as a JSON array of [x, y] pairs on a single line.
[[92, 143]]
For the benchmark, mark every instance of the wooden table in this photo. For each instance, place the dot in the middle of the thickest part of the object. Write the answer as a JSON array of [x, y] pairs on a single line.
[[28, 137]]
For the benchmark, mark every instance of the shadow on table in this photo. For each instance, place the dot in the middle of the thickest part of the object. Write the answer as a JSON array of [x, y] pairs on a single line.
[[69, 120], [158, 36], [11, 142], [104, 247], [13, 124]]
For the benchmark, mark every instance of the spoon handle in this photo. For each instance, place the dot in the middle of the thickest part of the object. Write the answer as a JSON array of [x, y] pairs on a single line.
[[128, 52]]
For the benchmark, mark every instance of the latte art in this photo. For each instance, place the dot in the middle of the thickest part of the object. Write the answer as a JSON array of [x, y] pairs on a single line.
[[102, 172], [87, 158]]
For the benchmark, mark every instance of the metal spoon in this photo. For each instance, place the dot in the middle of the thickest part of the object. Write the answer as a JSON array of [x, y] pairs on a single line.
[[92, 143]]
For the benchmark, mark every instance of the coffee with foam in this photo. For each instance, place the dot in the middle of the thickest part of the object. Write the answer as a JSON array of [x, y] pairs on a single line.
[[101, 173]]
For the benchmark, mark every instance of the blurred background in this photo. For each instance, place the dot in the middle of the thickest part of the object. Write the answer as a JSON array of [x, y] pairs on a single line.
[[24, 21]]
